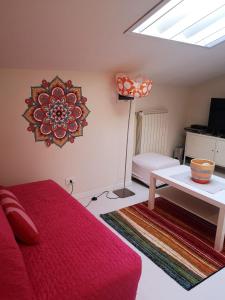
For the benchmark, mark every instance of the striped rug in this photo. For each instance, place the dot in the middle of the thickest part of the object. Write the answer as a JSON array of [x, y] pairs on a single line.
[[180, 243]]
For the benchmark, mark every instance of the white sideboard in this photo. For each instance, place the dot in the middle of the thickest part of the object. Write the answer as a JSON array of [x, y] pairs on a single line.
[[205, 146]]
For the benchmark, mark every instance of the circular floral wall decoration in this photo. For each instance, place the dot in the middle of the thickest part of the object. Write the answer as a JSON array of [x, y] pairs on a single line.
[[56, 112]]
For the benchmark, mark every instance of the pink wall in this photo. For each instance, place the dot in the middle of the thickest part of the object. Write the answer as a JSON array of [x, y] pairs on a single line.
[[176, 101], [95, 160], [198, 110]]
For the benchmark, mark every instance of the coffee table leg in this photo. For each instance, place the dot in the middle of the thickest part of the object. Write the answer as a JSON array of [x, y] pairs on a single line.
[[152, 189], [220, 231]]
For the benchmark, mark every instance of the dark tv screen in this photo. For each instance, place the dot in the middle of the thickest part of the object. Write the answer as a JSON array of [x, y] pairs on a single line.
[[216, 123]]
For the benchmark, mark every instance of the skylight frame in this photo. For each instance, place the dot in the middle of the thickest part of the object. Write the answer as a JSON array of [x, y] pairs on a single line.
[[166, 8]]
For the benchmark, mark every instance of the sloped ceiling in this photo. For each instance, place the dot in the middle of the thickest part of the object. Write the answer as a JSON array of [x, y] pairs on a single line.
[[87, 35]]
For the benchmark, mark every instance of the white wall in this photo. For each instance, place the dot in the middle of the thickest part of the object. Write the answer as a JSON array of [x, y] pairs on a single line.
[[175, 99], [96, 160], [200, 97]]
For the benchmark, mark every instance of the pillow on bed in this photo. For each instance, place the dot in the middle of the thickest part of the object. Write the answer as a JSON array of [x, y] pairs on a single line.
[[21, 224], [15, 283]]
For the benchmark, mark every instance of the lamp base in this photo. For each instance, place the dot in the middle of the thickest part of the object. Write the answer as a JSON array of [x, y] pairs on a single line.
[[123, 193]]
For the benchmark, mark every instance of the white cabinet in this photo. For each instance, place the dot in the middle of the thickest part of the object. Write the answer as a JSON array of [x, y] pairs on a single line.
[[220, 153], [199, 145], [205, 146]]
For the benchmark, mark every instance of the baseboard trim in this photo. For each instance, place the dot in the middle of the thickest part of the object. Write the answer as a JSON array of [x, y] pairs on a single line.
[[89, 194]]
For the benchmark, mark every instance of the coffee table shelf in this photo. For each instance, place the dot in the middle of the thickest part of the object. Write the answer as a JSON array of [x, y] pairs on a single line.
[[200, 208], [210, 206]]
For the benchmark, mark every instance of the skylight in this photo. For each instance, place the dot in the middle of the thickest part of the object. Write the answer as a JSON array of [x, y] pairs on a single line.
[[198, 22]]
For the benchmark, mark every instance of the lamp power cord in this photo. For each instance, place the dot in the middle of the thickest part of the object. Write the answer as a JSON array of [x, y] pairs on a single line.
[[95, 198]]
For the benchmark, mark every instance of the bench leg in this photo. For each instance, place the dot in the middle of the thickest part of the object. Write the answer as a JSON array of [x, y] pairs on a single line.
[[220, 231], [152, 190]]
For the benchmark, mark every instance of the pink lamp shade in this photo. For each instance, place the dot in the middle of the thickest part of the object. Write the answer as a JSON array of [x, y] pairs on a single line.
[[132, 88]]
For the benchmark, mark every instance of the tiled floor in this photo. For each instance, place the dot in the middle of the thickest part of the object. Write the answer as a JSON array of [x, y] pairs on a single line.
[[154, 283]]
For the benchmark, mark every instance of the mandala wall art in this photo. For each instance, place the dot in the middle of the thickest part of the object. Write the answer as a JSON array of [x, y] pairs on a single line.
[[56, 112]]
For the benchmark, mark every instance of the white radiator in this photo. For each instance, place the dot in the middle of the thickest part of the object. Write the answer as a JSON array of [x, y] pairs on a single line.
[[152, 132]]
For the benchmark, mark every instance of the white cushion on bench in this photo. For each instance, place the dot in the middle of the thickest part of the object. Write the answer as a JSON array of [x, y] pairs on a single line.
[[144, 164]]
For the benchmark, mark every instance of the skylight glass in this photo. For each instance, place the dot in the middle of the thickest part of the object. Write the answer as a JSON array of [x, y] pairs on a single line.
[[198, 22]]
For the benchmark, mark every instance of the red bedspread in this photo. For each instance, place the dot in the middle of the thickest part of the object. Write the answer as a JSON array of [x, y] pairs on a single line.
[[78, 257]]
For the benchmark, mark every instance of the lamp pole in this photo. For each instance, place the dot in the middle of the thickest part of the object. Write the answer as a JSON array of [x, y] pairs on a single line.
[[128, 130], [124, 192]]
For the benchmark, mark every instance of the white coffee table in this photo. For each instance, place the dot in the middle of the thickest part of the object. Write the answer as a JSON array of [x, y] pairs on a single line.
[[202, 203]]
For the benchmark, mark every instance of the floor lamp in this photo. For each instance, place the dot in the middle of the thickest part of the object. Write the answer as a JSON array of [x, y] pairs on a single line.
[[129, 89], [124, 192]]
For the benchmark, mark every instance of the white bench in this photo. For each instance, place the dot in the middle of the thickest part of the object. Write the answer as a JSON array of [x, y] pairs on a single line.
[[143, 164]]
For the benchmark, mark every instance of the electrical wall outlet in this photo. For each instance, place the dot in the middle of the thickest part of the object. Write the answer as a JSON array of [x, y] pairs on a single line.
[[69, 179]]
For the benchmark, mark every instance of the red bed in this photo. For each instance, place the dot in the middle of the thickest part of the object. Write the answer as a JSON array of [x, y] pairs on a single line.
[[78, 257]]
